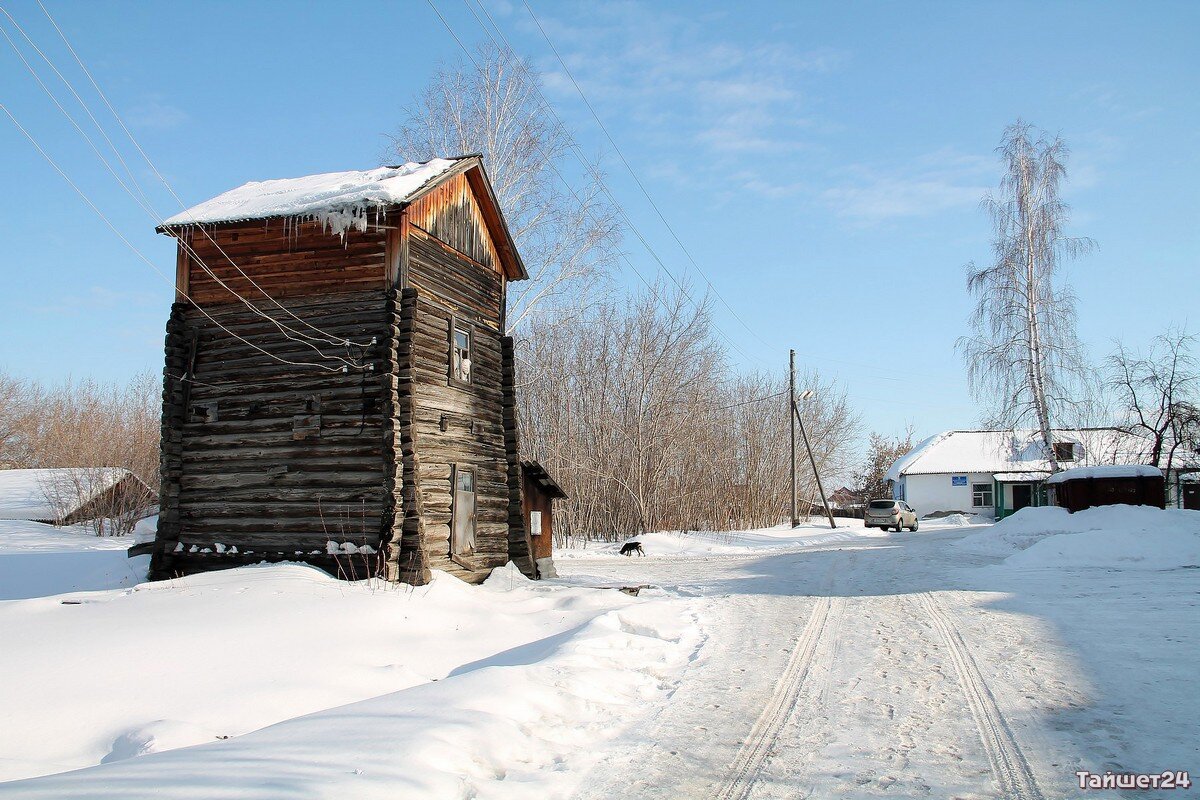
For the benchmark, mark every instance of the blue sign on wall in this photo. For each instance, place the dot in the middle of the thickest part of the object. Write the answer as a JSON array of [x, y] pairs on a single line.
[[958, 480]]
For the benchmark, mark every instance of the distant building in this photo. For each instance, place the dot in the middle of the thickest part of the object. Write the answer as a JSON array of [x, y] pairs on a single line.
[[994, 473], [845, 498], [77, 494]]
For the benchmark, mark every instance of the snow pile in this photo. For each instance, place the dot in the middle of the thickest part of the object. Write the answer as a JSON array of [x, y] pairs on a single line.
[[145, 529], [956, 520], [338, 200], [294, 683], [1106, 536]]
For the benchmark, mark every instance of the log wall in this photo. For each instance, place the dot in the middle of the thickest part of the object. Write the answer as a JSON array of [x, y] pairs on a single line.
[[455, 423], [275, 459]]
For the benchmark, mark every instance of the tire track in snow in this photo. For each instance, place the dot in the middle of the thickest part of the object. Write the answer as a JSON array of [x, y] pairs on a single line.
[[1008, 762], [758, 745]]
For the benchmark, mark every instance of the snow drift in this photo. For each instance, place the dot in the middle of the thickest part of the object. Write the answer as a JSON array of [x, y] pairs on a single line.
[[1120, 536], [279, 680]]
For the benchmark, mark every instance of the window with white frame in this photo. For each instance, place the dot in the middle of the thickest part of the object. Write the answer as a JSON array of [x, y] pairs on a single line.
[[981, 495]]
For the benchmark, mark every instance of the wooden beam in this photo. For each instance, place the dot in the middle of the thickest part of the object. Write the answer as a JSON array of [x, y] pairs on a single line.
[[181, 267]]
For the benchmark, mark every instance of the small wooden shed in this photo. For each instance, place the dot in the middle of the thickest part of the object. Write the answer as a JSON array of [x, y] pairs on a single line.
[[1087, 487], [339, 388], [538, 493]]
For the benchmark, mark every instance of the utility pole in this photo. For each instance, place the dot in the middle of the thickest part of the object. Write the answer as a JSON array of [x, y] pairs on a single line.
[[792, 421], [796, 417]]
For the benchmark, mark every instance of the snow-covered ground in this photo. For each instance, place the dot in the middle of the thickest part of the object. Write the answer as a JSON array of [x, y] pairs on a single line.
[[960, 661], [38, 559], [963, 660], [763, 541], [276, 681]]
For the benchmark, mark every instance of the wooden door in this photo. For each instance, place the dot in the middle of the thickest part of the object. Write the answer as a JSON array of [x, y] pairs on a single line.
[[462, 535], [1191, 496]]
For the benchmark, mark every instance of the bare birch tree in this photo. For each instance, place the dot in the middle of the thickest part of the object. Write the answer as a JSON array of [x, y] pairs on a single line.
[[1023, 357], [492, 106]]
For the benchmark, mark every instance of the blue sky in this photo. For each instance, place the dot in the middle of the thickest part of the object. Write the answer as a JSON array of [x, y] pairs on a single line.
[[823, 163]]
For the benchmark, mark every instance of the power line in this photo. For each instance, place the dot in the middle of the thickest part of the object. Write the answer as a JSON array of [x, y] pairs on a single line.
[[595, 175], [639, 182], [139, 253], [633, 173], [752, 400], [145, 203]]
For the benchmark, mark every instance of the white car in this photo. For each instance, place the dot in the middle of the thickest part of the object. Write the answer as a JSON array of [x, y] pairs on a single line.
[[890, 514]]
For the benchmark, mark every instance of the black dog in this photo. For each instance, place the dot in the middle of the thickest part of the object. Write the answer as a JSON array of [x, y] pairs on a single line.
[[630, 548]]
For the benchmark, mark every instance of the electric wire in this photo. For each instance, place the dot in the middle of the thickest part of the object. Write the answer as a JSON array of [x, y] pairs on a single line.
[[633, 173], [121, 183], [882, 373], [325, 336], [603, 187], [141, 255]]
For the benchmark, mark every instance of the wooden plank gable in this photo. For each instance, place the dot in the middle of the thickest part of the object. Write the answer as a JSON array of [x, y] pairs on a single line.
[[451, 213]]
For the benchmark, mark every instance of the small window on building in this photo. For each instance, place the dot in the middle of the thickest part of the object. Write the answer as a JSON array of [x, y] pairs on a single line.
[[981, 495], [1064, 451], [460, 353]]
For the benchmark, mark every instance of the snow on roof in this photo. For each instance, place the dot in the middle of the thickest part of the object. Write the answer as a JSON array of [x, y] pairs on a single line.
[[50, 494], [1019, 451], [338, 200], [1106, 471], [1020, 477]]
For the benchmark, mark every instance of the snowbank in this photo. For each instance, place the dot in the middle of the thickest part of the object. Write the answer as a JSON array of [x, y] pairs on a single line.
[[292, 683], [1106, 536], [955, 520]]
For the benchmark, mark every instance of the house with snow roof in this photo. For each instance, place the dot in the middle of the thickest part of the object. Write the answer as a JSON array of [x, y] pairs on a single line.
[[65, 496], [994, 473], [339, 388]]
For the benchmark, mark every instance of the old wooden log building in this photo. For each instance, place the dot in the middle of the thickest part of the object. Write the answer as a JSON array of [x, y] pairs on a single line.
[[338, 386]]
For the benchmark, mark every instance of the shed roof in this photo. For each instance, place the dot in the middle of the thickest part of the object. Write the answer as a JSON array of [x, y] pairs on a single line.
[[344, 200], [1106, 471], [1012, 451], [50, 494], [538, 474]]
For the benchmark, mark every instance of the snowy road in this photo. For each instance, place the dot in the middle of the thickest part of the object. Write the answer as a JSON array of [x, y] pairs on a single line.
[[896, 667]]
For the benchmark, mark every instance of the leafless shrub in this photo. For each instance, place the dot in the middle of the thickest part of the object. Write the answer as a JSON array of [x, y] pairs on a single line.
[[637, 413]]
